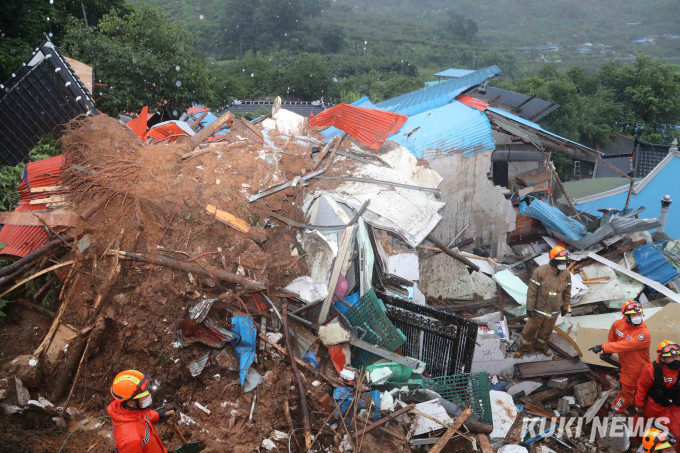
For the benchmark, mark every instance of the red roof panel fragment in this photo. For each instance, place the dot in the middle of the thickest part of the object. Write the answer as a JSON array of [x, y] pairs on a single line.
[[472, 102], [371, 127]]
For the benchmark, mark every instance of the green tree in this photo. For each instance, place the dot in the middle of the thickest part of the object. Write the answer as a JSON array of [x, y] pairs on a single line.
[[23, 24], [143, 59], [459, 26], [308, 77], [512, 64], [649, 93]]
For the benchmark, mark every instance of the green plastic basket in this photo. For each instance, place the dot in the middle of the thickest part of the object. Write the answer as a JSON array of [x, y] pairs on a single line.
[[369, 314], [470, 389]]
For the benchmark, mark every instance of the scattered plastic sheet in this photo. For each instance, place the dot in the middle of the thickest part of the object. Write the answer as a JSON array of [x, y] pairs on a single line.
[[244, 343]]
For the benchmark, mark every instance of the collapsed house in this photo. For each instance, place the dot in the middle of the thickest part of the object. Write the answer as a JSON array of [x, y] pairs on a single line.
[[354, 280]]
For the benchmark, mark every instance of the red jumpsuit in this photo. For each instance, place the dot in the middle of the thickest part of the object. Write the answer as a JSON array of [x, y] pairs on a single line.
[[652, 408], [133, 430], [632, 344]]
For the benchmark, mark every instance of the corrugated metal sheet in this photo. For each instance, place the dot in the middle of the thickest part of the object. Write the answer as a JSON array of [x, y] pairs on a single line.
[[371, 127], [622, 162], [138, 125], [554, 219], [535, 127], [454, 73], [533, 109], [472, 102], [334, 131], [437, 95], [453, 128], [21, 240], [170, 129]]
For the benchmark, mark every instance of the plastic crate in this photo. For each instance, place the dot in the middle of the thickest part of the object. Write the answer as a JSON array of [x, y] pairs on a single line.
[[470, 389], [369, 314]]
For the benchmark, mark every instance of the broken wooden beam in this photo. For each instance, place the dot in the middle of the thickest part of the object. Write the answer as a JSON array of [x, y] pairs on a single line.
[[484, 444], [34, 219], [209, 130], [566, 367], [256, 234], [455, 426], [32, 256], [384, 420], [179, 265], [452, 254]]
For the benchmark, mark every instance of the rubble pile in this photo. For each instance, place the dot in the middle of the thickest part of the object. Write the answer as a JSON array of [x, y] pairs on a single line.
[[285, 285]]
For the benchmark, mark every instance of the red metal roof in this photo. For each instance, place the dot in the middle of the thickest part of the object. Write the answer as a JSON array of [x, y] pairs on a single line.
[[20, 240], [472, 102], [197, 109], [371, 127], [138, 125]]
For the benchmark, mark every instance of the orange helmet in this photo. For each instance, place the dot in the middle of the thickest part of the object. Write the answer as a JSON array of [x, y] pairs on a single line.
[[667, 349], [559, 253], [130, 385], [631, 307], [656, 440]]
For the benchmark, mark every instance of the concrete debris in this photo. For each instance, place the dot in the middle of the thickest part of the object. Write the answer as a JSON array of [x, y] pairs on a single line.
[[504, 412], [585, 393]]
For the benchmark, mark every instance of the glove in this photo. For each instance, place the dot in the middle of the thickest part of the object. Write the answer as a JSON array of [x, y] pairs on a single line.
[[564, 312], [163, 414], [597, 349], [639, 410], [530, 314]]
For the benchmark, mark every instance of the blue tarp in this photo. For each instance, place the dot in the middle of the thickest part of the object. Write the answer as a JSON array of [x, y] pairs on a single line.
[[653, 264], [244, 344], [344, 397], [554, 219]]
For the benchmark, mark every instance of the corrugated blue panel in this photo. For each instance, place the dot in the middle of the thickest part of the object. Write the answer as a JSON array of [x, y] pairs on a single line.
[[652, 264], [665, 183], [454, 73], [554, 218], [334, 131], [437, 95], [533, 125], [453, 128]]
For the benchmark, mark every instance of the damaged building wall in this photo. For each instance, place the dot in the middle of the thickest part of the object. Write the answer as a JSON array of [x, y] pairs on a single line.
[[471, 198]]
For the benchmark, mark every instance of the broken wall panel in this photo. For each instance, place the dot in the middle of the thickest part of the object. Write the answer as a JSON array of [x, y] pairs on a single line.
[[444, 341], [472, 199]]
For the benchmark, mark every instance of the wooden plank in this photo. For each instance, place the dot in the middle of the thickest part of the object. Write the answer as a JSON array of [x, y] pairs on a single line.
[[54, 199], [345, 248], [565, 367], [634, 275], [229, 219], [441, 443], [33, 218], [46, 189], [484, 444]]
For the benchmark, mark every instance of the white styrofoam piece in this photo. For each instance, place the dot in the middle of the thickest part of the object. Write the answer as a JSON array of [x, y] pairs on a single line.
[[404, 265], [308, 289], [504, 411], [433, 409]]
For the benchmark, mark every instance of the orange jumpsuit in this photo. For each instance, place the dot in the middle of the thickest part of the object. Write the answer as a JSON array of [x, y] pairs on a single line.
[[652, 408], [632, 344], [133, 430]]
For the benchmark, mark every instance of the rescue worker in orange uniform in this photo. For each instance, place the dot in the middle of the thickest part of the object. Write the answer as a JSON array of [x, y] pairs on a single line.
[[549, 295], [628, 337], [133, 430], [658, 392], [657, 441]]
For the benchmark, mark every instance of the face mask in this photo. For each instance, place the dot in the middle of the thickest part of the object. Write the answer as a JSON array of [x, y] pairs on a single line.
[[561, 266], [674, 365], [146, 402], [636, 320]]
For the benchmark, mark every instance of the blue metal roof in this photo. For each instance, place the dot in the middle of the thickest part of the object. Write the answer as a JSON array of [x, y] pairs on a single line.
[[437, 95], [453, 128], [535, 126], [664, 183], [653, 264], [454, 73], [554, 219]]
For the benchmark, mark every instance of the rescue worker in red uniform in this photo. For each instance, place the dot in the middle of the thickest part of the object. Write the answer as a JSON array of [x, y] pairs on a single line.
[[658, 392], [133, 430], [628, 337], [657, 441], [549, 294]]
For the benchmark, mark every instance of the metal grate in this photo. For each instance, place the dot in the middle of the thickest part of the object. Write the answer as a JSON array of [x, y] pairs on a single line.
[[466, 390], [444, 341]]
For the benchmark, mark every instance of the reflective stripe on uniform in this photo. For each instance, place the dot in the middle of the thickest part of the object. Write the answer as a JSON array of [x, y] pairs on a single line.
[[552, 293], [547, 315], [534, 281], [539, 340], [569, 284]]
